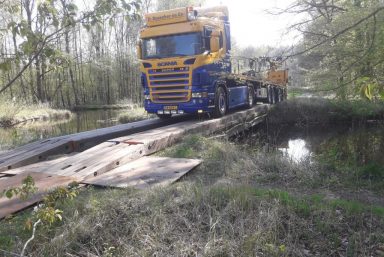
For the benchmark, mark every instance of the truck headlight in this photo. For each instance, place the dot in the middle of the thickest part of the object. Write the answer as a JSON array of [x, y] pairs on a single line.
[[200, 95]]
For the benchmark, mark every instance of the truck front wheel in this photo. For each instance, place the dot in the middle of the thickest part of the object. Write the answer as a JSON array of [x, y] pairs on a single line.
[[220, 103]]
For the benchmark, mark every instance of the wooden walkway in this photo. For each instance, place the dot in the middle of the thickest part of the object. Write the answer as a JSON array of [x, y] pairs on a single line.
[[41, 150], [118, 155]]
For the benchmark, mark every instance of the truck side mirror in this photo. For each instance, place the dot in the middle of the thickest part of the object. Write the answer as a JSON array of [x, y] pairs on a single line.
[[139, 50], [215, 44]]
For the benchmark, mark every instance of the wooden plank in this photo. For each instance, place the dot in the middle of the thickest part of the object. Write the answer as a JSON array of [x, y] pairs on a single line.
[[108, 155], [158, 139], [146, 172], [31, 146], [4, 176], [39, 151], [40, 167], [44, 183], [35, 155]]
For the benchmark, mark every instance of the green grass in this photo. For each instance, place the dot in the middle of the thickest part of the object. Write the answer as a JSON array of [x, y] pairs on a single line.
[[344, 167], [211, 221], [134, 114], [12, 113], [315, 111], [91, 107], [294, 92], [228, 206]]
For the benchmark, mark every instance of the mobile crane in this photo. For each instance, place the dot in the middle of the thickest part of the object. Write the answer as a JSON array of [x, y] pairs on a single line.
[[185, 63]]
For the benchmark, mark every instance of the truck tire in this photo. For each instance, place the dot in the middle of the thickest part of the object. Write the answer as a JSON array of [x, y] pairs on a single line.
[[251, 97], [164, 116], [271, 95], [277, 92], [281, 95], [220, 103]]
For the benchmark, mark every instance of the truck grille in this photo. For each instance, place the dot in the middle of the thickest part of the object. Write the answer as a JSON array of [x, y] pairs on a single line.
[[171, 85]]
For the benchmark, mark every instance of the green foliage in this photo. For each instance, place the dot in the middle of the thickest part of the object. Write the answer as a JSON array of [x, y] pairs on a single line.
[[61, 194], [232, 214], [310, 111], [47, 212], [348, 60], [6, 65], [24, 191], [354, 161], [107, 10], [38, 32], [372, 170], [368, 86]]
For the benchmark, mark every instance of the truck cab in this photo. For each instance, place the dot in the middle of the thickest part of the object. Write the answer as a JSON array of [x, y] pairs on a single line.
[[186, 66], [184, 55]]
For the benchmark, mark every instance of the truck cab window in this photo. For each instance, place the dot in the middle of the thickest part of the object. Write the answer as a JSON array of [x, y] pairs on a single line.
[[221, 40], [186, 44], [207, 35], [150, 46]]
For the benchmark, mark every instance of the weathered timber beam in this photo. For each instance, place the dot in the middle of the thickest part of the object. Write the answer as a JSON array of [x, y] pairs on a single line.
[[39, 151]]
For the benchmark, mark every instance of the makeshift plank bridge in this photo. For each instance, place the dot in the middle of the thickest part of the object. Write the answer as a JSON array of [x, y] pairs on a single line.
[[117, 162]]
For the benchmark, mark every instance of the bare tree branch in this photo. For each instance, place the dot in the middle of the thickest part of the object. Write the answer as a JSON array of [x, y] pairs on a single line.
[[345, 83], [38, 51], [337, 34]]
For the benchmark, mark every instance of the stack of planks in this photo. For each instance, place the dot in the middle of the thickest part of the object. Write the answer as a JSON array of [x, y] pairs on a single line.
[[120, 162]]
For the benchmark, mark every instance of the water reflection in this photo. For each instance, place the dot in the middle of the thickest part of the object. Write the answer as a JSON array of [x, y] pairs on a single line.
[[359, 146], [296, 150], [81, 121]]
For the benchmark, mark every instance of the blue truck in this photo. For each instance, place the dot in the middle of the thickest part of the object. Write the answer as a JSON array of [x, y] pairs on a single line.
[[185, 65]]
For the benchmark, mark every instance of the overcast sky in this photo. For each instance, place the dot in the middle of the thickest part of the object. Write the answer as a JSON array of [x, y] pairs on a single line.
[[252, 25], [250, 22]]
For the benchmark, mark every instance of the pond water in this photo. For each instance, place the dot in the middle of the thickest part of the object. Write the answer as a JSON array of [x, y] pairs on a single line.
[[81, 121], [362, 145]]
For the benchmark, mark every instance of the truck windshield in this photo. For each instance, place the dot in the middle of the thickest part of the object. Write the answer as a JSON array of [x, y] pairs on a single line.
[[173, 45]]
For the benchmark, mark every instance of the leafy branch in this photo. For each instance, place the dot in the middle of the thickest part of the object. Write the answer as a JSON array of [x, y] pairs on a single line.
[[47, 212], [338, 34]]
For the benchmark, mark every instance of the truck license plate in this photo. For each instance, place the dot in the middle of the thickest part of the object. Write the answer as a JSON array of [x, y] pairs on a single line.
[[170, 108]]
